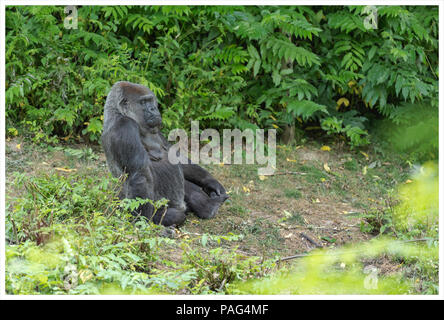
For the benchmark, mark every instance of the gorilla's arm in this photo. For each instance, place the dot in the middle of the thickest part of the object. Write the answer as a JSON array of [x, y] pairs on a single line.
[[123, 144], [198, 175], [126, 147]]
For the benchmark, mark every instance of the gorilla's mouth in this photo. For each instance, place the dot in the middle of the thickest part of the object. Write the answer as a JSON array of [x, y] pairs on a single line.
[[154, 121]]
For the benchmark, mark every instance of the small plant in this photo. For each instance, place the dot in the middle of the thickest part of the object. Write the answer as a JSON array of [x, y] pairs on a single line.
[[218, 268], [293, 193], [86, 154]]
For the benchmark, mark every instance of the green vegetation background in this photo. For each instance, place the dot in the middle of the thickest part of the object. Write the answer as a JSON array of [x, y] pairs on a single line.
[[289, 68]]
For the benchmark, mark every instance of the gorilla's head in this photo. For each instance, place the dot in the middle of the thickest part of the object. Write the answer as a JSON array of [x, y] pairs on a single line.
[[140, 104]]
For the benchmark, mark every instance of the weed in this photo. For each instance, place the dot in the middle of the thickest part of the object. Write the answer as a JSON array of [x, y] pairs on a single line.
[[293, 193]]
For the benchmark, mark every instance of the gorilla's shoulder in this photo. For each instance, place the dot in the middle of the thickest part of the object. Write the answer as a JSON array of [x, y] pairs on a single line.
[[123, 129]]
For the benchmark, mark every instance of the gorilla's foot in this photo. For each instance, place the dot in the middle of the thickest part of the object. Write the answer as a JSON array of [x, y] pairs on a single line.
[[220, 198], [172, 217]]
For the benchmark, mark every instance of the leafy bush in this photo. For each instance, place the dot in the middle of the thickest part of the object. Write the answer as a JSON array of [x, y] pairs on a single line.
[[268, 66]]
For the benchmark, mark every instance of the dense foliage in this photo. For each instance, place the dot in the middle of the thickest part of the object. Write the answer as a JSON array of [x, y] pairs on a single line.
[[278, 67]]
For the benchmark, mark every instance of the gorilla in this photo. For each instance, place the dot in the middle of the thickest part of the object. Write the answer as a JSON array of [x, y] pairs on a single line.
[[134, 146]]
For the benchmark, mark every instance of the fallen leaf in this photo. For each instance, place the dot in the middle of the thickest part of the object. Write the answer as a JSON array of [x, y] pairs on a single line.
[[262, 177], [287, 214], [291, 160], [373, 164], [18, 146], [364, 170], [65, 170], [325, 148], [408, 181], [327, 168], [364, 154], [328, 239]]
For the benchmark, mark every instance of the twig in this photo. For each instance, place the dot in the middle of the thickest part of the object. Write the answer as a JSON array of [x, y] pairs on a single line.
[[163, 214], [332, 228], [317, 245], [337, 229], [430, 66], [117, 191], [293, 257], [223, 284], [289, 172], [14, 229]]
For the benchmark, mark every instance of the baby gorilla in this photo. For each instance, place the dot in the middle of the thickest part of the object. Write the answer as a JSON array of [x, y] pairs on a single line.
[[134, 145]]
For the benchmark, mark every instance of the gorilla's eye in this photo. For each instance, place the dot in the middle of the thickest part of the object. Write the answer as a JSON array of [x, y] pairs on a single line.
[[124, 102]]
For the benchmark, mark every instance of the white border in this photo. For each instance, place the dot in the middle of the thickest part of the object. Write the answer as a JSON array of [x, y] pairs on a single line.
[[3, 296]]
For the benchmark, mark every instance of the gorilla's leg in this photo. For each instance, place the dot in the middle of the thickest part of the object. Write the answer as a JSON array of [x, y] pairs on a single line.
[[139, 188], [200, 203]]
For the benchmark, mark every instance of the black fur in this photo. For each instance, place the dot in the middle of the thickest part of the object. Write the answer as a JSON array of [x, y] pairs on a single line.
[[134, 145]]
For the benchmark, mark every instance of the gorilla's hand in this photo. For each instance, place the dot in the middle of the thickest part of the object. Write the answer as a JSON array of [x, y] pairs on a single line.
[[213, 188], [155, 155]]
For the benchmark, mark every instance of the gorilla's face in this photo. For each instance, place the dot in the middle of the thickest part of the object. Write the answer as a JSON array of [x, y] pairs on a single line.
[[151, 115], [140, 104]]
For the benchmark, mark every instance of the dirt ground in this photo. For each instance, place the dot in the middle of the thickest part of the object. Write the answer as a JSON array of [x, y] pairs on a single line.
[[317, 197]]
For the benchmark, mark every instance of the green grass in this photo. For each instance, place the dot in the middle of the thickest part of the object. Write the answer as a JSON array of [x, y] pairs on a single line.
[[351, 165], [293, 193], [57, 220]]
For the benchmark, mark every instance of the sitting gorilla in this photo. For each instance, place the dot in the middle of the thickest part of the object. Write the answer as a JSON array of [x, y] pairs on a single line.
[[134, 145]]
